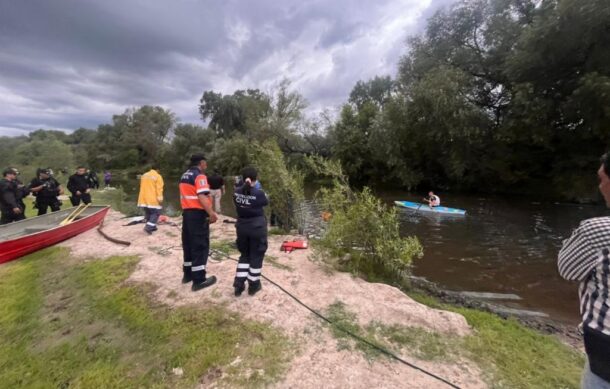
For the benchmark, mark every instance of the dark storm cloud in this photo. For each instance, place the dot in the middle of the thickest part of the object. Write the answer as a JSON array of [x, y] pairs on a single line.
[[71, 63]]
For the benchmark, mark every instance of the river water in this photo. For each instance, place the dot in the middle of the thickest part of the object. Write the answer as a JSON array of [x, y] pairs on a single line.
[[502, 245]]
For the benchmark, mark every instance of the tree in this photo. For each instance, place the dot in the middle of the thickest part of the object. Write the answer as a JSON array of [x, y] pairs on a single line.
[[229, 114]]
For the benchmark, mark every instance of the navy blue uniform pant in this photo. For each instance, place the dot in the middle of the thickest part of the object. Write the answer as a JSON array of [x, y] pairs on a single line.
[[42, 204], [195, 243], [151, 216], [84, 197], [8, 216], [252, 245]]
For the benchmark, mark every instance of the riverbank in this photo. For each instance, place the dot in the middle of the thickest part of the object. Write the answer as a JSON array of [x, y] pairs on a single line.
[[104, 313]]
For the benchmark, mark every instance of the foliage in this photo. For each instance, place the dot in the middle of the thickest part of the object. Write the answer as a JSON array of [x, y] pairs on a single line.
[[236, 113], [514, 356], [135, 138], [188, 139], [79, 324], [496, 95], [283, 185], [362, 231]]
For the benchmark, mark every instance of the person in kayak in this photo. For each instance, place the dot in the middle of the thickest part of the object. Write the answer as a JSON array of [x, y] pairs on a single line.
[[433, 200], [251, 229]]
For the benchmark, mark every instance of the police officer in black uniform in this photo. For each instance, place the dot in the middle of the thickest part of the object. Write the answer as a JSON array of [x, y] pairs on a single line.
[[78, 185], [22, 191], [251, 229], [46, 189], [9, 193]]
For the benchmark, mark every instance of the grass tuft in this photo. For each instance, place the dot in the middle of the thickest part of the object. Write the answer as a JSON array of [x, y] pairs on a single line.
[[67, 323]]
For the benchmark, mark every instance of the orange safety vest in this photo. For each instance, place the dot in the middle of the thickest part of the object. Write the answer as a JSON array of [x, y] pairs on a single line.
[[192, 184]]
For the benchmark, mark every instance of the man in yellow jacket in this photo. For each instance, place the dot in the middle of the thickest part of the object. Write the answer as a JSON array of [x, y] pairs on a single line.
[[151, 197]]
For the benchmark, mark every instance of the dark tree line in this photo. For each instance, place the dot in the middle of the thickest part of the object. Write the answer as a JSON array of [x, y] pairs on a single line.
[[495, 95]]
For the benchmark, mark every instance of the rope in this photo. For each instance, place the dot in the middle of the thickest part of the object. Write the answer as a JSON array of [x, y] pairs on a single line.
[[348, 332]]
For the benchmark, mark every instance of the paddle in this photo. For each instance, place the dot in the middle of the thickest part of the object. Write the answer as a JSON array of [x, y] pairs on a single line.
[[74, 214]]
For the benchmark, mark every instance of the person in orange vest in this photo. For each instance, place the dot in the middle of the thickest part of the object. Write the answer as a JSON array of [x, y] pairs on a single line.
[[197, 215], [151, 197]]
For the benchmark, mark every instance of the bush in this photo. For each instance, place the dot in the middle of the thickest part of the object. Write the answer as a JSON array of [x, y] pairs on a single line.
[[284, 186], [362, 230]]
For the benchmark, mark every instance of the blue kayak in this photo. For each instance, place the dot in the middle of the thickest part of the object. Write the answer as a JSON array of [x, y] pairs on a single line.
[[427, 208]]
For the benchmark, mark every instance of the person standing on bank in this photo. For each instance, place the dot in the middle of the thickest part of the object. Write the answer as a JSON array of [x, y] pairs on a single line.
[[22, 191], [251, 229], [585, 257], [78, 185], [217, 189], [107, 178], [9, 205], [197, 215], [46, 189], [151, 197]]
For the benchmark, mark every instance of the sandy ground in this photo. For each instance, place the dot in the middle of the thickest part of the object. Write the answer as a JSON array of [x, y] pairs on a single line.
[[317, 361]]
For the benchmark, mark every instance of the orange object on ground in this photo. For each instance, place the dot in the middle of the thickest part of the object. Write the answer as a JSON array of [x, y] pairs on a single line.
[[326, 216], [290, 246]]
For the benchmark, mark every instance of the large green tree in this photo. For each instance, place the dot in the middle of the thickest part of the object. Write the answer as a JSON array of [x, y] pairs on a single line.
[[503, 95]]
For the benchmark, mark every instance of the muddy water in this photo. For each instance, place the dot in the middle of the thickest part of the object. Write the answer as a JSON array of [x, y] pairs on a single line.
[[502, 245]]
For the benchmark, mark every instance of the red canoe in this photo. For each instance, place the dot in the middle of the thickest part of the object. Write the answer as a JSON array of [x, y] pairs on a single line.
[[25, 237]]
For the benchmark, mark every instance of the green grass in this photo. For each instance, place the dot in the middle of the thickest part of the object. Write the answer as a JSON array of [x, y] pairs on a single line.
[[273, 261], [116, 198], [346, 320], [65, 323], [276, 231], [226, 247], [510, 355], [513, 355]]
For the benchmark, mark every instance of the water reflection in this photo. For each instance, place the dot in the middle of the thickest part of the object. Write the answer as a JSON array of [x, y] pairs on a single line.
[[502, 245]]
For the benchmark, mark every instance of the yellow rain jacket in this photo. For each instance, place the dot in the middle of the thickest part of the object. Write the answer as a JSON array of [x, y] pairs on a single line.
[[151, 190]]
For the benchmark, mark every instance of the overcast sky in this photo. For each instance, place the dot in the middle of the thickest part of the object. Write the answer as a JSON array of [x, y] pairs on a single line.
[[66, 64]]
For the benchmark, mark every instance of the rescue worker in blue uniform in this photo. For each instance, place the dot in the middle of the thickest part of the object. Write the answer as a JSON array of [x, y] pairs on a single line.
[[197, 215], [251, 229]]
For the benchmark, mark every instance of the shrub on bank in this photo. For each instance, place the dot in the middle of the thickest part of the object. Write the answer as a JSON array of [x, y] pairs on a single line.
[[362, 231], [283, 185]]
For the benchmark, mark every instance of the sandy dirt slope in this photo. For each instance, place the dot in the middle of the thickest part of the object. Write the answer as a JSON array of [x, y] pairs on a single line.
[[317, 361]]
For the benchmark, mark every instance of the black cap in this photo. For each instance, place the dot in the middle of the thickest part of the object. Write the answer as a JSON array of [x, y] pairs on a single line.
[[45, 171], [196, 158], [8, 171]]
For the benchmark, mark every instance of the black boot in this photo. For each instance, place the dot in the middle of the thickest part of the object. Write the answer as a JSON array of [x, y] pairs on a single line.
[[186, 279], [239, 289], [202, 285], [254, 288]]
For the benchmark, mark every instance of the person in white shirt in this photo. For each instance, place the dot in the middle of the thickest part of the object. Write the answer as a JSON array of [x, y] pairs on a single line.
[[433, 200]]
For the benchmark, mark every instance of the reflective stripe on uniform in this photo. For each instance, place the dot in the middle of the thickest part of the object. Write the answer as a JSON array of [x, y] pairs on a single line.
[[189, 197], [187, 264], [253, 278], [198, 268], [255, 271], [241, 274], [151, 224], [243, 265]]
